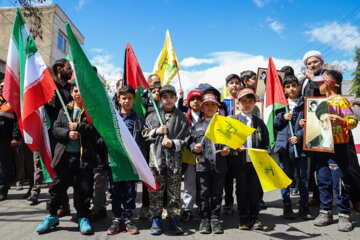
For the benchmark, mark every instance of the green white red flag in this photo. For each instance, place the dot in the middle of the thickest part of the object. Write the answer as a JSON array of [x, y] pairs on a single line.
[[126, 159], [28, 86], [274, 99]]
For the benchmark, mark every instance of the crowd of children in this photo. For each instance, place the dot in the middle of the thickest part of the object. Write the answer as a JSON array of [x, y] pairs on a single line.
[[167, 130]]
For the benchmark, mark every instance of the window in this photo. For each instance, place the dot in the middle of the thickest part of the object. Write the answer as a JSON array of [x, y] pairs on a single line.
[[61, 42]]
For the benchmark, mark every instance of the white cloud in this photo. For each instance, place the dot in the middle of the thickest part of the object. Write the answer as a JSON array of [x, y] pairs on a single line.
[[81, 3], [190, 62], [36, 3], [343, 36], [275, 25], [97, 50], [261, 3]]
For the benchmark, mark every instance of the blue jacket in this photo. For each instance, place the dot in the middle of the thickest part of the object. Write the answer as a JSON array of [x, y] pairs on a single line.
[[281, 126]]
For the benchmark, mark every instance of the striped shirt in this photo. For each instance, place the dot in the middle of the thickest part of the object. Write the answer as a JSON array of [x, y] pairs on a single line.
[[340, 106]]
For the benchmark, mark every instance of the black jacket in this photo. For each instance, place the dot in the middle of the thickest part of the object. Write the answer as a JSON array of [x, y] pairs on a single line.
[[204, 162], [88, 138], [260, 139]]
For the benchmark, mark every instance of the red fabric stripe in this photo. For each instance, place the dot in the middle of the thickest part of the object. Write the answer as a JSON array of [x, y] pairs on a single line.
[[274, 90], [39, 94], [11, 91], [357, 147], [133, 74]]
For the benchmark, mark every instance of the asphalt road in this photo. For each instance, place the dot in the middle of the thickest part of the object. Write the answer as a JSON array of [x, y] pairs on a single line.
[[18, 220]]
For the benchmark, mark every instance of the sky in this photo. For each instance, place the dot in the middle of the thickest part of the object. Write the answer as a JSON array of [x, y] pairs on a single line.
[[213, 39]]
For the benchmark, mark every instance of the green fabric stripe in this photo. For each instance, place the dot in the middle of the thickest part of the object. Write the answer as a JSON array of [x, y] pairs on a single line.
[[138, 106], [101, 111], [47, 178], [270, 124]]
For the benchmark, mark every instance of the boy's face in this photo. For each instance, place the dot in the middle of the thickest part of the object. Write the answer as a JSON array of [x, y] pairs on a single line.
[[251, 82], [75, 93], [195, 103], [322, 87], [246, 104], [292, 90], [233, 87], [156, 94], [168, 100], [126, 101], [209, 109]]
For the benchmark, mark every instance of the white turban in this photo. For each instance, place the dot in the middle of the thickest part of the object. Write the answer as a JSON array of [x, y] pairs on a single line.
[[313, 53]]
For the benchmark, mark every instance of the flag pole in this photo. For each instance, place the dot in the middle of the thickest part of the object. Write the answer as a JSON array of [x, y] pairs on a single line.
[[63, 105], [156, 110], [178, 73], [292, 133]]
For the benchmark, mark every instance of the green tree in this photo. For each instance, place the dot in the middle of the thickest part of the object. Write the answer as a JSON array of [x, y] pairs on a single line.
[[355, 89]]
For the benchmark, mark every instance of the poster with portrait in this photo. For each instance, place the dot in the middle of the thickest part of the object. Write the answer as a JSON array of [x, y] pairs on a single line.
[[259, 109], [317, 131], [261, 79]]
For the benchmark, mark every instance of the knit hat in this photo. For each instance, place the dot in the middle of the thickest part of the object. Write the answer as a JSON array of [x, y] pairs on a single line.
[[313, 53], [209, 98], [193, 93]]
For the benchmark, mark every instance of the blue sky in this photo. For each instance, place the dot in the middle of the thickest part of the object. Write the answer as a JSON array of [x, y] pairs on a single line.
[[215, 38]]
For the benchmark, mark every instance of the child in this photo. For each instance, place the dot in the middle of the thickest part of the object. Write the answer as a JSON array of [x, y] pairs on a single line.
[[332, 172], [166, 144], [124, 192], [248, 188], [285, 147], [248, 79], [155, 92], [210, 168], [194, 115], [73, 162], [233, 85]]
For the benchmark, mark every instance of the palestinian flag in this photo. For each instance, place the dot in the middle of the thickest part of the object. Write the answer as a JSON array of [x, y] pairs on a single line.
[[126, 159], [28, 86], [134, 77], [274, 99]]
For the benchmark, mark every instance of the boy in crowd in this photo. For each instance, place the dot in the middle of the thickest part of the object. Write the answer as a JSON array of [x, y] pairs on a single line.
[[207, 88], [124, 192], [73, 162], [285, 144], [248, 188], [248, 79], [167, 139], [332, 174], [210, 168], [194, 115]]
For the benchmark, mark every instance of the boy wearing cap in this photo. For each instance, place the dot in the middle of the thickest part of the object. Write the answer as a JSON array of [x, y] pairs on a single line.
[[285, 147], [211, 168], [167, 139], [193, 115], [332, 172], [248, 188]]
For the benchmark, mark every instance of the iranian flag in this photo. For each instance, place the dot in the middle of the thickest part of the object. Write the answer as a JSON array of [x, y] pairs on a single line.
[[274, 99], [28, 86], [126, 159], [134, 77]]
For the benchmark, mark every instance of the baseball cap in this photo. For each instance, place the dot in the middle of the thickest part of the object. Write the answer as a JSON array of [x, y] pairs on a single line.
[[209, 98], [246, 91]]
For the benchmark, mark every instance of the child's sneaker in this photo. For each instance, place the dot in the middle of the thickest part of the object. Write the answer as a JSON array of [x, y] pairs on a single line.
[[305, 213], [48, 223], [115, 227], [324, 218], [175, 228], [205, 226], [244, 223], [256, 224], [288, 212], [156, 226], [344, 224], [131, 227], [84, 226], [227, 209], [144, 212], [216, 226]]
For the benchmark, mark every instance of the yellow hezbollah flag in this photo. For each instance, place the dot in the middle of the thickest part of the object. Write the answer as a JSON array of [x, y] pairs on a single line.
[[271, 176], [225, 93], [228, 131], [166, 65], [188, 157]]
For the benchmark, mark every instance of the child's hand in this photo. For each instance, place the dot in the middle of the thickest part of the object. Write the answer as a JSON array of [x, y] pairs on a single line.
[[288, 116], [72, 126], [198, 148], [335, 119], [73, 135], [294, 140], [225, 151], [161, 130], [302, 123], [241, 149], [167, 143], [309, 74]]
